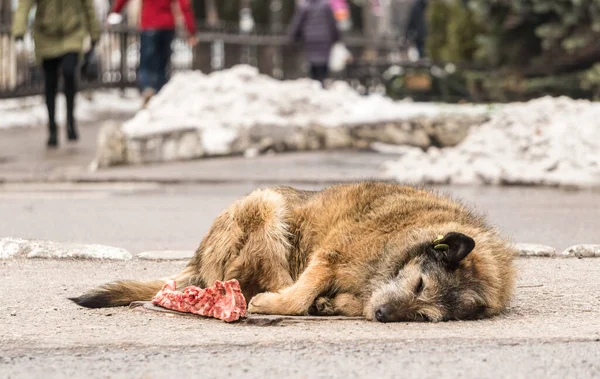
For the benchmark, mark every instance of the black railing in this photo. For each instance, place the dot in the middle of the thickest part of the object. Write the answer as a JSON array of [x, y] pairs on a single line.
[[218, 48]]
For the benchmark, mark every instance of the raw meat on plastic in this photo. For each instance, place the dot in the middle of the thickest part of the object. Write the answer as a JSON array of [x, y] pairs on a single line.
[[224, 300]]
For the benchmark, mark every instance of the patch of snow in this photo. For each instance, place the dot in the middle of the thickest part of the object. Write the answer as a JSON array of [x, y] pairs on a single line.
[[547, 141], [386, 148], [31, 111], [582, 251], [16, 247], [535, 250], [166, 255], [217, 142], [224, 102], [9, 247]]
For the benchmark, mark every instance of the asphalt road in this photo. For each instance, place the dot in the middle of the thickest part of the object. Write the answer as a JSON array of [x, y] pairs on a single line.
[[552, 329], [149, 216]]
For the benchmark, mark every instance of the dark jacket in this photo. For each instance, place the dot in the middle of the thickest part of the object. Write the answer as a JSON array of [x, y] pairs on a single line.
[[315, 25]]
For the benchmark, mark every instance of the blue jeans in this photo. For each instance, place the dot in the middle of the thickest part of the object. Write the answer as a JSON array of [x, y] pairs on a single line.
[[155, 55]]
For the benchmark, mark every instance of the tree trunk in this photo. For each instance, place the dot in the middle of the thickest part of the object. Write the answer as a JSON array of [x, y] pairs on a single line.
[[275, 17]]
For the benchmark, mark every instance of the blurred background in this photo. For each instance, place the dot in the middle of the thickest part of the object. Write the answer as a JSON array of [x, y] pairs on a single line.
[[444, 91], [478, 50], [491, 101]]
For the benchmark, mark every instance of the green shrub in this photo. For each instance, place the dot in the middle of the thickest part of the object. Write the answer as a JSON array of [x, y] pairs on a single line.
[[452, 31], [438, 13]]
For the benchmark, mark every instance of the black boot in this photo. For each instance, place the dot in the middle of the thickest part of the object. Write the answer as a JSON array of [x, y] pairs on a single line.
[[52, 136], [72, 130]]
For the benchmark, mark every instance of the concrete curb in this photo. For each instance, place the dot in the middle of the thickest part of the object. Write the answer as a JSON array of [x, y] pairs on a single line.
[[17, 247], [104, 178], [22, 248], [535, 250], [582, 251], [575, 251]]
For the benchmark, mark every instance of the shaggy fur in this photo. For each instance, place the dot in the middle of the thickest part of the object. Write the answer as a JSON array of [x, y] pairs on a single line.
[[352, 249]]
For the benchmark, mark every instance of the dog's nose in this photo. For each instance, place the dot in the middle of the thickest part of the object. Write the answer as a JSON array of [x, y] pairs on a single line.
[[383, 314]]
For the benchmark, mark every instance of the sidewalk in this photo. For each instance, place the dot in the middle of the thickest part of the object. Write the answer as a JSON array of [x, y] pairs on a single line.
[[24, 158], [550, 331]]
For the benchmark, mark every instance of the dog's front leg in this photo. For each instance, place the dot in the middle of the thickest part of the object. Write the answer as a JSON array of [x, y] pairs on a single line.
[[297, 298]]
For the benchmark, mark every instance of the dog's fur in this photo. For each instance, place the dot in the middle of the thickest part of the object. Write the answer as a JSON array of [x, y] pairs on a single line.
[[352, 249]]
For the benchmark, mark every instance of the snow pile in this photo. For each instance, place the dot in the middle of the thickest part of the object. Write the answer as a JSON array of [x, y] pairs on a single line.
[[549, 141], [31, 111], [17, 247], [223, 102]]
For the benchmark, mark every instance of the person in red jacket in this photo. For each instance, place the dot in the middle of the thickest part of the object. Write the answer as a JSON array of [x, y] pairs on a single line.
[[157, 27]]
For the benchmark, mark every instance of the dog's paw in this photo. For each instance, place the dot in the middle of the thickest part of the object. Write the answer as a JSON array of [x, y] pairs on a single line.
[[262, 303], [322, 306]]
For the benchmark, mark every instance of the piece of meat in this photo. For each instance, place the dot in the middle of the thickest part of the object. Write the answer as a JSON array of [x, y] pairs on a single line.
[[224, 300]]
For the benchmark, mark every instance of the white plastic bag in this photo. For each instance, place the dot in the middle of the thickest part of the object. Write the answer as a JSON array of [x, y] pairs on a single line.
[[114, 18], [338, 57]]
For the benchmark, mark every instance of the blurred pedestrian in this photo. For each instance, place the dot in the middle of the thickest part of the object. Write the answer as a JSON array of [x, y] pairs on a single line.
[[90, 66], [157, 26], [102, 9], [315, 26], [417, 26], [59, 30]]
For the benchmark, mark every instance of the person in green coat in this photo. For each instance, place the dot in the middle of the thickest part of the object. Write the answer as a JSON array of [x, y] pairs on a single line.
[[59, 30]]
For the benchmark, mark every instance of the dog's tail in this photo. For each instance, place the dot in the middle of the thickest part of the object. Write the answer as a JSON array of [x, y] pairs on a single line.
[[122, 293]]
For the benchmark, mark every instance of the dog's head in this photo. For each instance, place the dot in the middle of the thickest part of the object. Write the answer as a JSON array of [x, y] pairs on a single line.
[[435, 283]]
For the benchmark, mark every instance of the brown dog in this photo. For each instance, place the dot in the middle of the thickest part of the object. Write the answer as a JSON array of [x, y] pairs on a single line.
[[383, 251]]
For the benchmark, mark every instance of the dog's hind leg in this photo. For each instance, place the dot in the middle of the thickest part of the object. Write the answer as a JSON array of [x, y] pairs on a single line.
[[248, 242]]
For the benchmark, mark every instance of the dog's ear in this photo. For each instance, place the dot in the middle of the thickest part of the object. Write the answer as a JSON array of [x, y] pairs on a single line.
[[453, 248]]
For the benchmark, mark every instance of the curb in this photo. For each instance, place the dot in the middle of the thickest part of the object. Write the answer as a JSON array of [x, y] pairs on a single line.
[[582, 251], [575, 251], [86, 179], [22, 248], [166, 255], [183, 181], [535, 250], [39, 249]]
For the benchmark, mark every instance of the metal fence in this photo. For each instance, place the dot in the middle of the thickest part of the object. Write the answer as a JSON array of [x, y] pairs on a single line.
[[218, 48]]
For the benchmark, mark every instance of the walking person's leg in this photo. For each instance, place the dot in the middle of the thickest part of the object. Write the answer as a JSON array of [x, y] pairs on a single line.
[[422, 51], [313, 71], [69, 71], [422, 30], [164, 51], [147, 71], [318, 72], [324, 73], [420, 45], [50, 67]]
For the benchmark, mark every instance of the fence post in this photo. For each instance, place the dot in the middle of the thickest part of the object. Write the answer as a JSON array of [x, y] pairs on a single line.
[[201, 59], [266, 59], [276, 7]]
